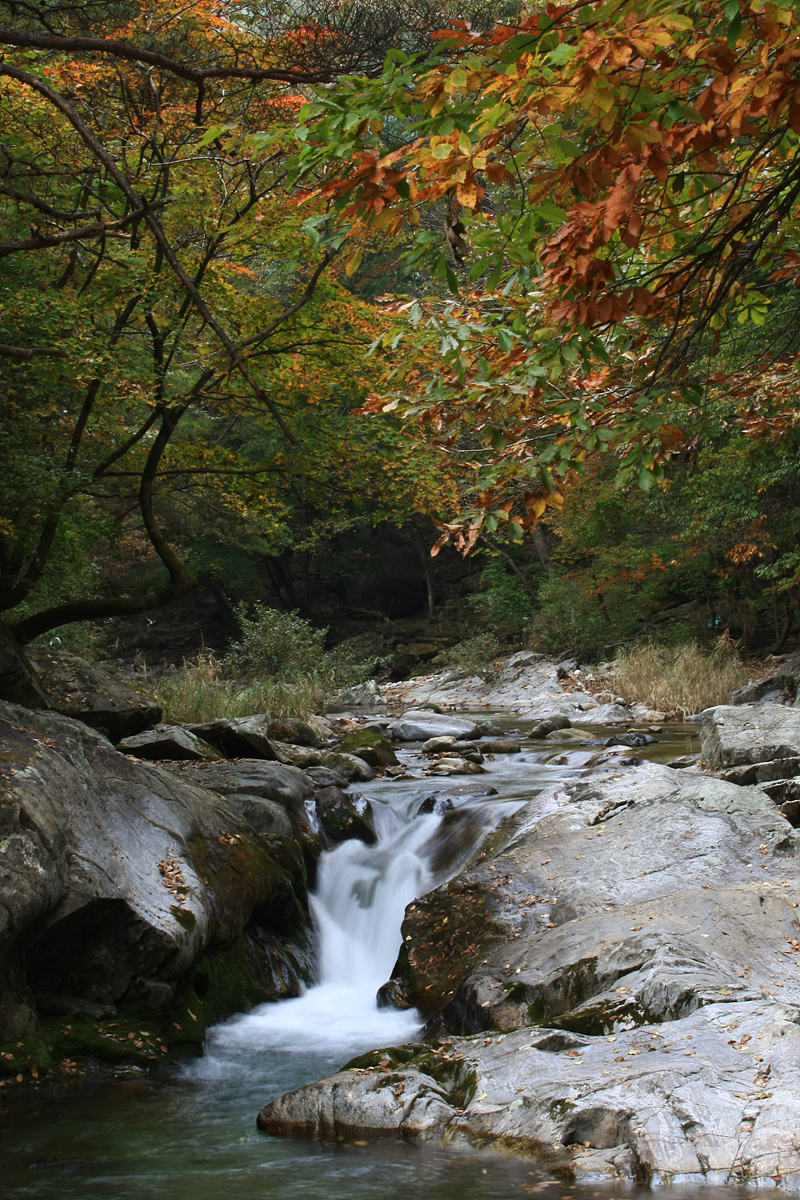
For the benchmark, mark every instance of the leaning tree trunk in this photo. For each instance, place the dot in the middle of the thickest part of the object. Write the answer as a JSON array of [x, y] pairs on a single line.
[[19, 683]]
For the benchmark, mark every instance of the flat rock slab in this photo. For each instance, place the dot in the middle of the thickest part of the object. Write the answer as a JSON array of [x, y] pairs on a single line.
[[418, 725], [76, 688], [731, 735], [625, 973], [710, 1099], [170, 742]]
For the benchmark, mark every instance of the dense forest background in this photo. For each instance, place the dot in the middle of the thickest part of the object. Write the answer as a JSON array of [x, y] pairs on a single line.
[[294, 295]]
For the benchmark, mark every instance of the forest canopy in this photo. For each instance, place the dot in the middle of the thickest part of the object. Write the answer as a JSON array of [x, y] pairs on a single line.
[[271, 270]]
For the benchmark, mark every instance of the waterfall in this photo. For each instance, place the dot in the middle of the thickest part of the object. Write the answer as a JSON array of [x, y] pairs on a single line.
[[361, 896]]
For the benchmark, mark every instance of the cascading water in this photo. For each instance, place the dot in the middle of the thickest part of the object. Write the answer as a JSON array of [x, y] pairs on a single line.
[[362, 892]]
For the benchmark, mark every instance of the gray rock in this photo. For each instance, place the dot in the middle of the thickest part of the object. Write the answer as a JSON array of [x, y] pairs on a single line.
[[19, 681], [775, 683], [238, 737], [564, 668], [362, 696], [499, 746], [250, 777], [418, 725], [116, 876], [168, 742], [297, 756], [454, 765], [603, 714], [629, 964], [350, 765], [371, 746], [436, 745], [551, 703], [264, 816], [731, 735], [324, 777], [77, 689], [707, 1102], [299, 732], [68, 1006], [550, 724]]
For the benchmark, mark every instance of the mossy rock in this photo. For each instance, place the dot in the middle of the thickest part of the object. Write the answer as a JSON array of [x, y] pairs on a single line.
[[373, 747]]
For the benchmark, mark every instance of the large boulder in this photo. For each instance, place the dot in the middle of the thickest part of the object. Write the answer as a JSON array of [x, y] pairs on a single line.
[[238, 737], [77, 689], [418, 725], [621, 986], [19, 681], [787, 676], [117, 878], [344, 816], [168, 742], [249, 777], [731, 735]]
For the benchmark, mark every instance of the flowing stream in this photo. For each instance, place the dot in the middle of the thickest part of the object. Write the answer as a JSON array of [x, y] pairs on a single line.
[[190, 1134]]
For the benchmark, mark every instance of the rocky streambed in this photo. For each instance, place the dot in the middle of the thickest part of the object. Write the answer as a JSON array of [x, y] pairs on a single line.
[[598, 957]]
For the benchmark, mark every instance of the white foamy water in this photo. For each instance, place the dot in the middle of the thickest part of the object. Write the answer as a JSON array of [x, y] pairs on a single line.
[[361, 896]]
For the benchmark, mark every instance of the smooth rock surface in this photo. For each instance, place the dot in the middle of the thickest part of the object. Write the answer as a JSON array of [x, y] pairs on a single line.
[[76, 688], [418, 725], [168, 742], [350, 765], [731, 735], [238, 737], [625, 973], [116, 876]]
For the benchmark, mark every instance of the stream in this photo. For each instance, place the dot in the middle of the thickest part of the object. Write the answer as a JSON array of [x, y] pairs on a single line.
[[189, 1133]]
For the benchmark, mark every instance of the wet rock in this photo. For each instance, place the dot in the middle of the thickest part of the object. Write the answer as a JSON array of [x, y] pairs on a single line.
[[351, 766], [118, 876], [457, 766], [791, 810], [19, 681], [500, 746], [631, 738], [371, 746], [238, 737], [566, 735], [168, 742], [550, 724], [391, 994], [762, 772], [325, 777], [435, 804], [419, 725], [731, 735], [344, 816], [77, 689]]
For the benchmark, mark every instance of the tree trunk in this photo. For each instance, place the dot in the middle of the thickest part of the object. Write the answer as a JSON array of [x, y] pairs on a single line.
[[19, 683]]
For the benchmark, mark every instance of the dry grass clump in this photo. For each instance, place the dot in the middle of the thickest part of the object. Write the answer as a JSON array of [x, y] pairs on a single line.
[[202, 691], [679, 679]]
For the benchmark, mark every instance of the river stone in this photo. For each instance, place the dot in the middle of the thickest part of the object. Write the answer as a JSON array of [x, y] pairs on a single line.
[[499, 746], [550, 724], [436, 745], [604, 714], [296, 731], [238, 737], [552, 703], [168, 742], [418, 725], [351, 766], [264, 816], [344, 816], [454, 765], [730, 735], [117, 876], [76, 688], [324, 777], [297, 756], [371, 746]]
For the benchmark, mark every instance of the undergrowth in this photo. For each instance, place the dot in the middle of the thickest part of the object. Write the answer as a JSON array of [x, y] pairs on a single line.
[[678, 679], [278, 667]]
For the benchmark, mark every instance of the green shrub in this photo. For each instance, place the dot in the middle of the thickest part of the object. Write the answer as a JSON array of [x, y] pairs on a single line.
[[275, 644], [503, 602], [571, 620]]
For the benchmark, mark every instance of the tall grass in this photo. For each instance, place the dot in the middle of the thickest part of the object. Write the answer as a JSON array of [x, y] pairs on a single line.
[[201, 690], [678, 679]]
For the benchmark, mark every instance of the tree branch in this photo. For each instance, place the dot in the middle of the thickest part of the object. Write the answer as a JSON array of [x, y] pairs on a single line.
[[25, 352]]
